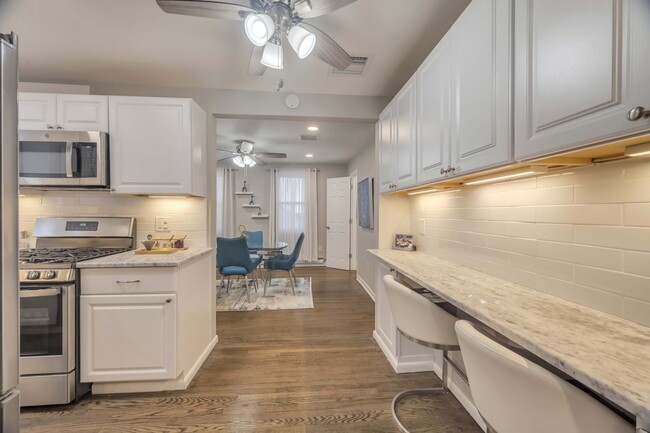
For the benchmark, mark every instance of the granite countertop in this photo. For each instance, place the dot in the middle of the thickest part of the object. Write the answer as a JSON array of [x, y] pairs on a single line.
[[132, 260], [608, 354]]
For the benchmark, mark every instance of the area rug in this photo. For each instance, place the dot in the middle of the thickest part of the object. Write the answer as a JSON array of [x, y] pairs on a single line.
[[278, 296]]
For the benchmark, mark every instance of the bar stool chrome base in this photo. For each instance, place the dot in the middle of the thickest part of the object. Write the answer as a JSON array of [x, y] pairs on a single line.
[[427, 391]]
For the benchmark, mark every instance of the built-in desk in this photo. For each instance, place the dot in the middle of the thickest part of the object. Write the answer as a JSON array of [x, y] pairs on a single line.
[[609, 355]]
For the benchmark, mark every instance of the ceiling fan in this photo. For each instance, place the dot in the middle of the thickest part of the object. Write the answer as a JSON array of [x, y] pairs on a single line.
[[244, 155], [268, 22]]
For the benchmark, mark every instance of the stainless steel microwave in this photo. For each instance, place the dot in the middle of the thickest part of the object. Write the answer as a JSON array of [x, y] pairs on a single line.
[[63, 159]]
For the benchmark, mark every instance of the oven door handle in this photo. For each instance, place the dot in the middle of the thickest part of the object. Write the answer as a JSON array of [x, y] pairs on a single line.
[[68, 159], [40, 293]]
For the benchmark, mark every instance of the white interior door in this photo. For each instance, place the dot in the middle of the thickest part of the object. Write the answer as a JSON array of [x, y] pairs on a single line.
[[338, 223]]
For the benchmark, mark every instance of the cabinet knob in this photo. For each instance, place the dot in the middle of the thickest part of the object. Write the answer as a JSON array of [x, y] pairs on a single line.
[[168, 300], [392, 269], [50, 126], [443, 171], [638, 113], [452, 169], [59, 127]]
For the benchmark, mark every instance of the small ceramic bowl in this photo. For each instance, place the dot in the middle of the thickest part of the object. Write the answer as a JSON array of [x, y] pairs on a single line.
[[148, 244]]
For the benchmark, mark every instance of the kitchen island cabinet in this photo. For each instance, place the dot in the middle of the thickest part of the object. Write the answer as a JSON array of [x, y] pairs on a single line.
[[147, 321]]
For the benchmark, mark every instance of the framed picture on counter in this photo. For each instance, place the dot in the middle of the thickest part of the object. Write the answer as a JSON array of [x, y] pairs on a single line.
[[403, 242]]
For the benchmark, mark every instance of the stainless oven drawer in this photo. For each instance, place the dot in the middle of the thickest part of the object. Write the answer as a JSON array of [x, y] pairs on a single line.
[[47, 389]]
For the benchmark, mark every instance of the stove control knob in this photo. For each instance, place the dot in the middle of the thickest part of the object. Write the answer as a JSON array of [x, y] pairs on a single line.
[[33, 275], [49, 275]]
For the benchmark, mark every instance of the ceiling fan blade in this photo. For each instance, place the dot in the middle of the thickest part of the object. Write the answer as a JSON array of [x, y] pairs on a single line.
[[316, 8], [259, 161], [224, 10], [229, 151], [223, 159], [270, 155], [328, 50], [255, 67]]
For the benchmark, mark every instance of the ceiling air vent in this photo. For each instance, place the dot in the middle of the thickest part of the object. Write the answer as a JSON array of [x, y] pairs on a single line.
[[356, 68], [309, 137]]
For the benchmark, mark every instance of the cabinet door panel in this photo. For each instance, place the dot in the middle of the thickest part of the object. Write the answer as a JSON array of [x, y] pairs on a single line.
[[405, 134], [128, 337], [150, 145], [82, 112], [481, 86], [579, 72], [433, 113], [36, 111], [386, 150]]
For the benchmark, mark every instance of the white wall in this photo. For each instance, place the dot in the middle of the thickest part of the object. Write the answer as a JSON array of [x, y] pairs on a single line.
[[187, 216], [581, 234], [365, 165], [258, 182]]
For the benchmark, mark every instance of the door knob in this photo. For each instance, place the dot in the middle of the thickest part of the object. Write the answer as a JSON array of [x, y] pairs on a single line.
[[327, 227], [637, 113], [168, 300]]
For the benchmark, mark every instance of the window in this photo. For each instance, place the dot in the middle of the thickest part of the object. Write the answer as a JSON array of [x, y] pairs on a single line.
[[292, 206]]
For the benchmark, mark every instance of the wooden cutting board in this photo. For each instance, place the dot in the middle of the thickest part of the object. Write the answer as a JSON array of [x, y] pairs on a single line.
[[160, 251]]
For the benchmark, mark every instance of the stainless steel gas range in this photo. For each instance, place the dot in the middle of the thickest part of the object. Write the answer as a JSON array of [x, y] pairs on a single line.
[[49, 302]]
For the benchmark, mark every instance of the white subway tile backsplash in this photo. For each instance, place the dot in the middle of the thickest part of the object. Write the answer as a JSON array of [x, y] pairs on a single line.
[[187, 216], [632, 286], [582, 254], [581, 234], [581, 214], [625, 238]]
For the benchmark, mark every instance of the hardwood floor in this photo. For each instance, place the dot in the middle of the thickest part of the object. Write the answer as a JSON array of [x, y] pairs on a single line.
[[277, 371]]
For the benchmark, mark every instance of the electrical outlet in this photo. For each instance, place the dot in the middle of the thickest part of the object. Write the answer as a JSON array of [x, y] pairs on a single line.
[[423, 226], [162, 224]]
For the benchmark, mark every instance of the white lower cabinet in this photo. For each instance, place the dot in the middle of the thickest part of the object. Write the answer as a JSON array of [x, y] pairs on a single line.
[[128, 337], [148, 328], [404, 355]]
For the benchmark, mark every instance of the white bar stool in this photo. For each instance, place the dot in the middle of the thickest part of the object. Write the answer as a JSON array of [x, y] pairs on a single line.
[[515, 395], [425, 323]]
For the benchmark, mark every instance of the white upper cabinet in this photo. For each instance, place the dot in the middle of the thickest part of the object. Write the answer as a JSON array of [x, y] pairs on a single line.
[[43, 111], [36, 111], [158, 146], [481, 86], [405, 114], [433, 123], [581, 67], [82, 112], [386, 143]]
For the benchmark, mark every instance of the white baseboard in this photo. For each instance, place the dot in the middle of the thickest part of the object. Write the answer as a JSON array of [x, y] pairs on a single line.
[[180, 383], [417, 365], [366, 287]]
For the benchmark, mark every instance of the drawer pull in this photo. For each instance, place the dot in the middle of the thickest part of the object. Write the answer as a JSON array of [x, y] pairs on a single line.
[[127, 282], [168, 300]]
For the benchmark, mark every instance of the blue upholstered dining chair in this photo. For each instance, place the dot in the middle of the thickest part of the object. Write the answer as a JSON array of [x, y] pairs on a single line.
[[284, 262], [233, 259]]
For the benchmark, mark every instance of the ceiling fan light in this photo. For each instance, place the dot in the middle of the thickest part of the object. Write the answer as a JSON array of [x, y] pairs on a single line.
[[302, 41], [272, 56], [259, 28], [239, 161]]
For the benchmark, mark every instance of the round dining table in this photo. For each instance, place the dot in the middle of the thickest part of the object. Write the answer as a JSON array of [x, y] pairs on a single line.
[[267, 248]]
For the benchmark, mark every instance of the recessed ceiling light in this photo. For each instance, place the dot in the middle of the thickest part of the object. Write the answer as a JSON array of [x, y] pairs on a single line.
[[312, 128], [309, 155]]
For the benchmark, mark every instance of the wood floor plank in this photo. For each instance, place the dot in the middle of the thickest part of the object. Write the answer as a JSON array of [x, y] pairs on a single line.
[[288, 371]]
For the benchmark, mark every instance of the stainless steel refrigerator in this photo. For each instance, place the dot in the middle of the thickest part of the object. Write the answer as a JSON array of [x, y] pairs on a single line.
[[9, 307]]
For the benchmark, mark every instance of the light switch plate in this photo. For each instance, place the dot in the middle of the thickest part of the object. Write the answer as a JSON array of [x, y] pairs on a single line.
[[162, 224], [423, 226]]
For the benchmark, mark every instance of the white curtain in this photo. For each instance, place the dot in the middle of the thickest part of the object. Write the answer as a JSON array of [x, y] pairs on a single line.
[[273, 204], [296, 210], [228, 203]]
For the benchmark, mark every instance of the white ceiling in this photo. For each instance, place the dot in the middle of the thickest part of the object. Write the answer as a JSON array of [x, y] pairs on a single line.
[[135, 42], [338, 142]]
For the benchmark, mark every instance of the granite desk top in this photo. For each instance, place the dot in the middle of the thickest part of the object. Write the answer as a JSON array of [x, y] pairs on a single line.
[[132, 260], [608, 354]]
